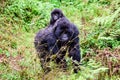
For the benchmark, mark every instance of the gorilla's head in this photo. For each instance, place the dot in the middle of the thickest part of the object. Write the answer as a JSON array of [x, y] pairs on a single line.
[[63, 30], [55, 15]]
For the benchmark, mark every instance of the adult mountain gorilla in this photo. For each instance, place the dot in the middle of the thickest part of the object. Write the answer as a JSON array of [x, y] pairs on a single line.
[[66, 34], [56, 41]]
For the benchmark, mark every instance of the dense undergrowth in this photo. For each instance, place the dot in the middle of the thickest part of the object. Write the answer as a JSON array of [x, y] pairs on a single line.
[[99, 25]]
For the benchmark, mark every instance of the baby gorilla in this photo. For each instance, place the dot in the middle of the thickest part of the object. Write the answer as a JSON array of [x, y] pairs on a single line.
[[56, 41], [55, 15]]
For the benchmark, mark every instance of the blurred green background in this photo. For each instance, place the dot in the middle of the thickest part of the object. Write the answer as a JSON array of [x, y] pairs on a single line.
[[97, 20]]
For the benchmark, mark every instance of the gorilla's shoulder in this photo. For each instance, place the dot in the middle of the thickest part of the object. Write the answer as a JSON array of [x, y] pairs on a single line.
[[75, 28], [43, 33]]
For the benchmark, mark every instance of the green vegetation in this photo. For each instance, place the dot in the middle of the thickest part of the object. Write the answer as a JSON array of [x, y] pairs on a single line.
[[99, 25]]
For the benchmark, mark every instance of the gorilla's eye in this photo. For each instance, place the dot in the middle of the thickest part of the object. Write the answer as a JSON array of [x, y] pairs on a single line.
[[64, 27]]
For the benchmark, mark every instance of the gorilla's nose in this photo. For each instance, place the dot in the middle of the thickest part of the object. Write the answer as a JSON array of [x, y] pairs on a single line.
[[64, 37]]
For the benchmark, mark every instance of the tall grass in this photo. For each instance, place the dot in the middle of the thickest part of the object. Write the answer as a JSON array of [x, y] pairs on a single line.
[[99, 25]]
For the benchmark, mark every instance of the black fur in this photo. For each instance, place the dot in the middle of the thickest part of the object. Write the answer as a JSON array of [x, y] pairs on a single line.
[[56, 40]]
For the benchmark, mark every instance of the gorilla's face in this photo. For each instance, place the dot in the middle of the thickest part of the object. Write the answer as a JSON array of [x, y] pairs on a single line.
[[55, 15], [63, 30]]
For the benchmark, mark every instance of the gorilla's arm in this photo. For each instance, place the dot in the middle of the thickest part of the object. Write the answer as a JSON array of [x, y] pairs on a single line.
[[74, 49], [52, 44]]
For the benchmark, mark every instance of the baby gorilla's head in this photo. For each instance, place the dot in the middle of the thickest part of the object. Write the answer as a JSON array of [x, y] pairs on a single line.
[[63, 30], [55, 15]]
